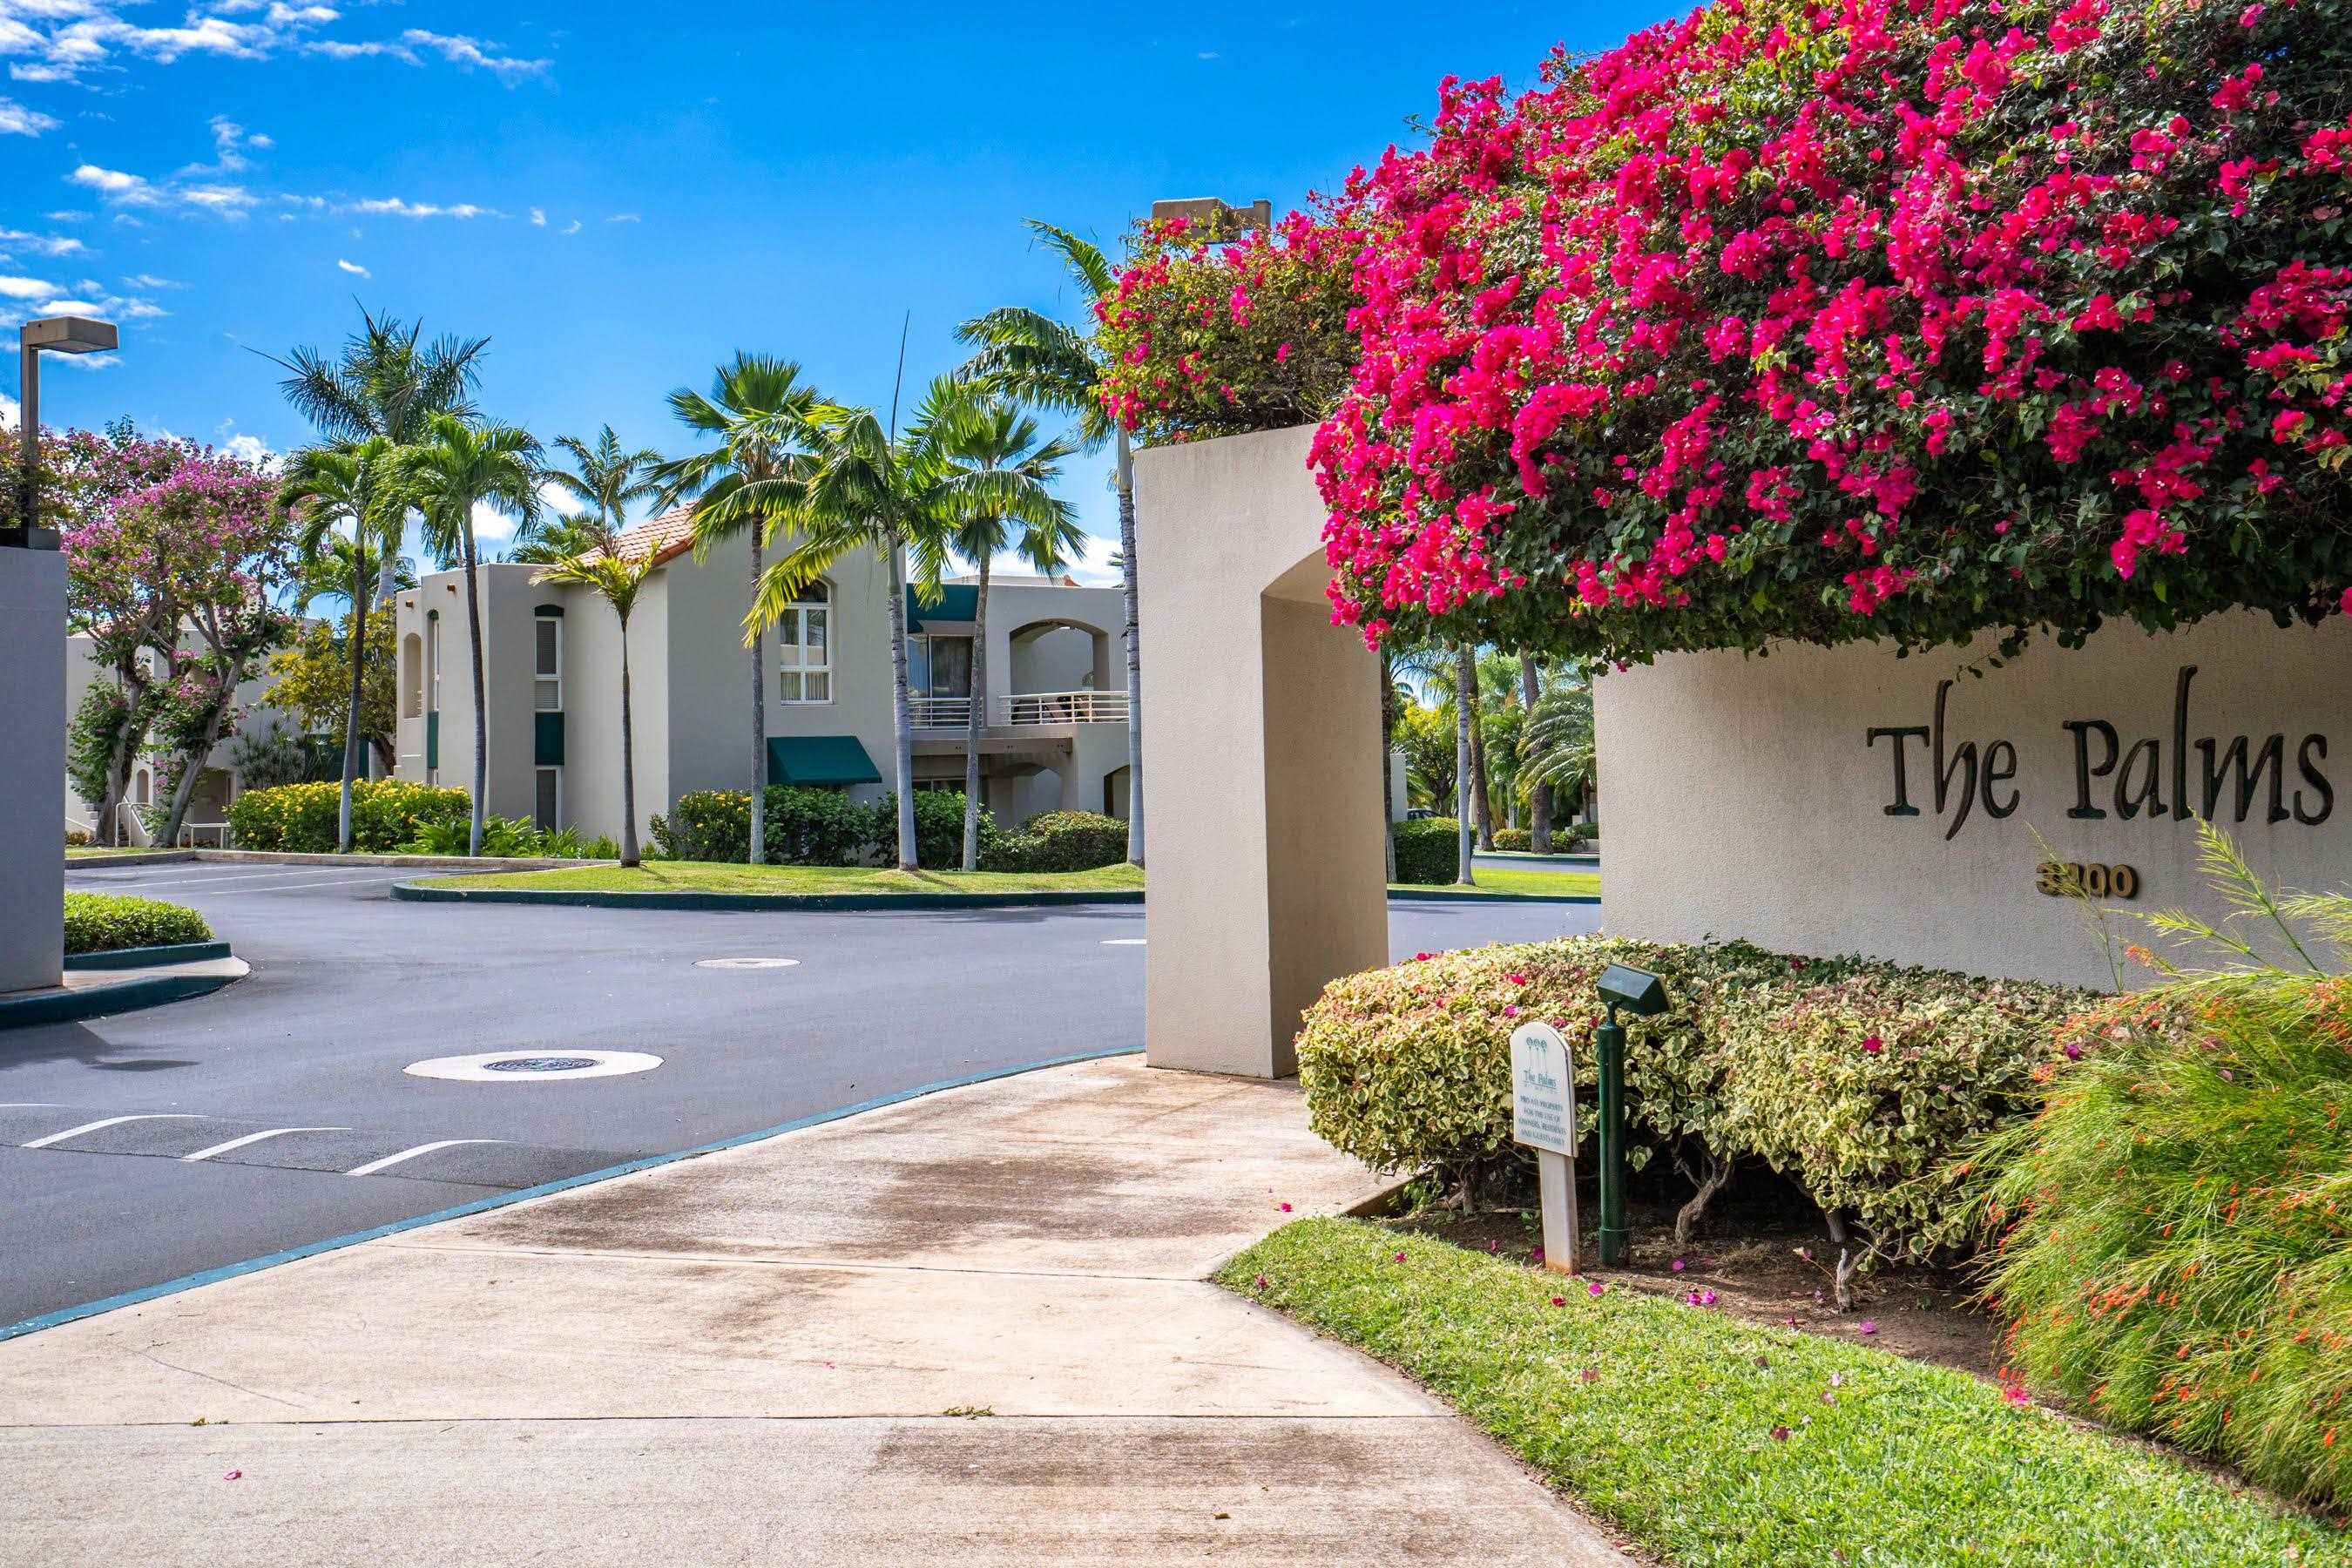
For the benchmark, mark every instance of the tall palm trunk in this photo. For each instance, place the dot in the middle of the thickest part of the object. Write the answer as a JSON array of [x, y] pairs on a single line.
[[759, 717], [352, 714], [1388, 756], [1465, 707], [902, 716], [628, 759], [1134, 652], [1539, 797], [975, 724], [481, 725]]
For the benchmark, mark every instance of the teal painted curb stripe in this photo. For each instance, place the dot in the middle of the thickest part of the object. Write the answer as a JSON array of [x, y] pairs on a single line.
[[1448, 896], [148, 957], [545, 1189], [97, 1001], [707, 902]]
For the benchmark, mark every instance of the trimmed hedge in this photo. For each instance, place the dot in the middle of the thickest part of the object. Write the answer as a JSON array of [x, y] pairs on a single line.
[[105, 922], [1428, 849], [816, 827], [1059, 841], [1514, 839], [1856, 1079], [387, 816]]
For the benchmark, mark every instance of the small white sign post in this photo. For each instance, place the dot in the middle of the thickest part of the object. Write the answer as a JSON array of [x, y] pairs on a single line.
[[1543, 1117]]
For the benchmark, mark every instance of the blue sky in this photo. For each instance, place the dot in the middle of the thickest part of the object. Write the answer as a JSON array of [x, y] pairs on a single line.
[[621, 195]]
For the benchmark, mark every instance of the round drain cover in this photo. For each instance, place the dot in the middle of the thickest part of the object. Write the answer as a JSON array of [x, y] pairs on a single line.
[[747, 963], [514, 1066]]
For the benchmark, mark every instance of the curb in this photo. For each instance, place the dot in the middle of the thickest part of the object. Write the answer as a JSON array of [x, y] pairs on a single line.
[[63, 1006], [1448, 896], [148, 957], [414, 892], [546, 1189]]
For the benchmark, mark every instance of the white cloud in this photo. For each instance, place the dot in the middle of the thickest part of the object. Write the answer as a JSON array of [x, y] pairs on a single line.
[[627, 218], [149, 280], [252, 450], [575, 228], [26, 288], [41, 244], [65, 40], [1090, 566], [10, 411], [395, 206], [16, 119], [112, 184], [472, 54], [354, 269], [67, 215], [229, 141]]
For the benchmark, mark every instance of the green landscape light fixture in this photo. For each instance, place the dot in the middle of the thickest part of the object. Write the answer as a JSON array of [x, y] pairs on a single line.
[[50, 335], [1222, 220], [1640, 993]]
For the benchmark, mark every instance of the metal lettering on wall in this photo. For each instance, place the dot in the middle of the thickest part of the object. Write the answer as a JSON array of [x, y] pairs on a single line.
[[2220, 778]]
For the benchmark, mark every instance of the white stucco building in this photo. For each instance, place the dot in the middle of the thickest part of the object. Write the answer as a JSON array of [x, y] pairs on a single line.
[[1055, 682]]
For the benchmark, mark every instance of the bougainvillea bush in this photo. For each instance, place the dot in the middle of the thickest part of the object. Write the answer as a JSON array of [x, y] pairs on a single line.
[[2174, 1229], [1859, 1079], [1897, 319]]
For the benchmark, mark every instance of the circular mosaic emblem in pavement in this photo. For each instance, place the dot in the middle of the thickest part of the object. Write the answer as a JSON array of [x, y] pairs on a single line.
[[747, 963], [523, 1066]]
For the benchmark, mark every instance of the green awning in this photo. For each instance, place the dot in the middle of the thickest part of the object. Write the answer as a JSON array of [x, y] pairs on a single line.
[[957, 602], [819, 761]]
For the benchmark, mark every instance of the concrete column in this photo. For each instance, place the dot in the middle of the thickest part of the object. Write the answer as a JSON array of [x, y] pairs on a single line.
[[32, 767], [1261, 756]]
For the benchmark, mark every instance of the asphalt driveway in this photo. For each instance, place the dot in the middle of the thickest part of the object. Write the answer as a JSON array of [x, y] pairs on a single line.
[[278, 1112]]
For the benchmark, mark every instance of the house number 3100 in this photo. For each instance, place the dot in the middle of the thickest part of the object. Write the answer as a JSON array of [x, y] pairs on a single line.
[[2059, 877]]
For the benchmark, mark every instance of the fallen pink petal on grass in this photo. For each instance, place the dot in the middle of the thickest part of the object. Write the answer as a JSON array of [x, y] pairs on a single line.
[[1866, 1327]]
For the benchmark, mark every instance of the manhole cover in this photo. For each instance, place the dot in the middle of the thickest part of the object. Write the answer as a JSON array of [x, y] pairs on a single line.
[[747, 963], [511, 1066]]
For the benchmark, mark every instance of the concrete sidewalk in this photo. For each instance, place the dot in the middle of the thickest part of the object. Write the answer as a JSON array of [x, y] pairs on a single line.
[[968, 1328]]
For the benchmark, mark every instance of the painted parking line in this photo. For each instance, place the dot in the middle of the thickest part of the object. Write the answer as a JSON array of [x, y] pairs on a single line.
[[256, 1138], [304, 887], [111, 1121], [373, 1166], [1123, 941], [243, 881], [178, 879]]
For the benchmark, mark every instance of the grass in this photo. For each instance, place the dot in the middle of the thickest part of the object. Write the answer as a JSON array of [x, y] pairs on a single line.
[[1661, 1418], [1587, 883], [713, 877], [100, 851]]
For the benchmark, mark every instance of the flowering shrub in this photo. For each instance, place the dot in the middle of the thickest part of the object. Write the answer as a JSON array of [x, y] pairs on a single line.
[[1204, 339], [2175, 1227], [1891, 318], [387, 815], [1854, 1078]]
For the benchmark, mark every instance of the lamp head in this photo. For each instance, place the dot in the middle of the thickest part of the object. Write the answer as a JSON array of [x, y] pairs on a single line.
[[1637, 991], [69, 335]]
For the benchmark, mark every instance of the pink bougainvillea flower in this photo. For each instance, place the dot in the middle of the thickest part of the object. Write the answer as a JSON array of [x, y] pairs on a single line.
[[1780, 1433], [1259, 1283], [1837, 1380], [1678, 1266], [2014, 1394], [234, 1475], [1596, 1289], [1400, 1257], [1590, 1375], [1493, 1247], [1284, 1208], [1828, 1397], [1866, 1327], [2073, 1052], [1874, 1044], [1559, 1300]]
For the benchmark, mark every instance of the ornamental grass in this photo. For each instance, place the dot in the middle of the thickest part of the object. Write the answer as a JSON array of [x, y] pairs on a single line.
[[2174, 1246]]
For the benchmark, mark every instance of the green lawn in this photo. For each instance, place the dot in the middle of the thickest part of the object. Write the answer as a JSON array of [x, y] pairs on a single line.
[[712, 876], [100, 851], [1517, 881], [1717, 1442]]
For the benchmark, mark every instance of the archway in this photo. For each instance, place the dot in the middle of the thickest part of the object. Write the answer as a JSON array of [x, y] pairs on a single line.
[[1262, 740]]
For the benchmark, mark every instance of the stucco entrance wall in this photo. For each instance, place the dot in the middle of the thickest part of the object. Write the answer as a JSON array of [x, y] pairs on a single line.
[[1760, 797]]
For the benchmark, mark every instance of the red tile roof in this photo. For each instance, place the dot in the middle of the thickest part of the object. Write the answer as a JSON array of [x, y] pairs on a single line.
[[668, 536]]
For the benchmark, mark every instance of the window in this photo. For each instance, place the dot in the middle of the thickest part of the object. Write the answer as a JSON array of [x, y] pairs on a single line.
[[433, 664], [547, 807], [547, 686], [804, 648], [939, 667], [412, 676]]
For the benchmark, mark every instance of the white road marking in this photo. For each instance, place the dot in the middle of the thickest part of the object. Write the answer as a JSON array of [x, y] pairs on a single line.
[[27, 1105], [1123, 941], [299, 886], [747, 963], [222, 878], [256, 1138], [276, 881], [373, 1166], [109, 1121]]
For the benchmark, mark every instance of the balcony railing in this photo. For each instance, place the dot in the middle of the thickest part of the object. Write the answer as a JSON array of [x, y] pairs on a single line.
[[1020, 708]]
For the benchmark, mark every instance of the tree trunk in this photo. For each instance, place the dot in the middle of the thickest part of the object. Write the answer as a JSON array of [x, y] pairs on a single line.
[[351, 719], [386, 757], [1134, 652], [123, 758], [902, 716], [975, 724], [1539, 797], [760, 714], [481, 726], [1388, 756], [182, 787], [628, 760], [1466, 705], [1484, 798]]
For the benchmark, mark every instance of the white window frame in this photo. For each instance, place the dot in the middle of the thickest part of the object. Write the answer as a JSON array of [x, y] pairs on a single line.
[[792, 666], [558, 819], [539, 676]]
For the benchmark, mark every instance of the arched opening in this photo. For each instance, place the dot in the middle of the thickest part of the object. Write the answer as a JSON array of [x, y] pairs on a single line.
[[1059, 670]]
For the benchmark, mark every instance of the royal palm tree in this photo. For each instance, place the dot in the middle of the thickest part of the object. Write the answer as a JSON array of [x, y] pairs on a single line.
[[996, 473], [873, 487], [349, 501], [763, 415], [388, 381], [605, 478], [454, 469], [1405, 669], [1538, 788], [1558, 747], [1049, 364], [1465, 725], [615, 578]]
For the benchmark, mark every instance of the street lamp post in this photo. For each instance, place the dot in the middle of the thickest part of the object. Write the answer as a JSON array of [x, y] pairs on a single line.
[[33, 702]]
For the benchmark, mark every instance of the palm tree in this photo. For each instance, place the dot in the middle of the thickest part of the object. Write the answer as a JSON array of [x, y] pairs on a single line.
[[387, 382], [1029, 355], [1404, 669], [454, 469], [1466, 727], [1538, 788], [615, 578], [763, 415], [874, 488], [353, 486], [575, 533], [1558, 744], [606, 477], [995, 472]]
